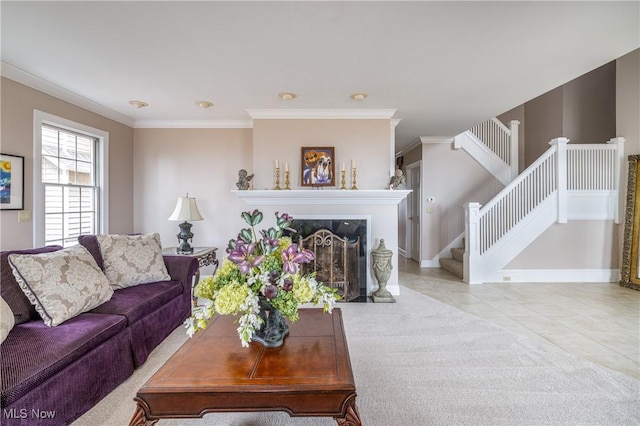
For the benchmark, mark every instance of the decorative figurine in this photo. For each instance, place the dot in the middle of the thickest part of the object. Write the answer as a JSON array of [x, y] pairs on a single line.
[[398, 180], [243, 180], [382, 271]]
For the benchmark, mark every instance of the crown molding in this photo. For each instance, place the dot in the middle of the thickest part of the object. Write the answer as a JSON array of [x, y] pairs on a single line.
[[322, 114], [193, 124], [23, 77]]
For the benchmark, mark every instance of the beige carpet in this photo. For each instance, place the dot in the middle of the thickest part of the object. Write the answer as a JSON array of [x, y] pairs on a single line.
[[421, 362]]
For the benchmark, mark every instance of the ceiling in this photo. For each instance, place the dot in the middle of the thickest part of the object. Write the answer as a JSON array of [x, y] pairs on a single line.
[[444, 66]]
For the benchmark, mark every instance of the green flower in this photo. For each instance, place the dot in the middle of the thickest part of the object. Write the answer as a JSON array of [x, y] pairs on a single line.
[[229, 298], [303, 291]]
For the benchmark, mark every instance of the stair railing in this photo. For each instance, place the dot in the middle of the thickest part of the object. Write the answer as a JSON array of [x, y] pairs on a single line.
[[501, 140], [560, 170]]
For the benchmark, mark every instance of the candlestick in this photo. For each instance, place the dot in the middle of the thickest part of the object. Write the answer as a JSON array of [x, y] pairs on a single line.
[[353, 179], [286, 179], [343, 180], [277, 178]]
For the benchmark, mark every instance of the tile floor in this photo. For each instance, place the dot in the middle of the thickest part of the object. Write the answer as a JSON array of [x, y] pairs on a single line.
[[599, 322]]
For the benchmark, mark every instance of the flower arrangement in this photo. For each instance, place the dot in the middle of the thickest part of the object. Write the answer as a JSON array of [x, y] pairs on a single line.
[[260, 273]]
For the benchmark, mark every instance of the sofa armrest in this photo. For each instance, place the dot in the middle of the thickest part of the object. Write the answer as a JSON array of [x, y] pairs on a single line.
[[182, 268]]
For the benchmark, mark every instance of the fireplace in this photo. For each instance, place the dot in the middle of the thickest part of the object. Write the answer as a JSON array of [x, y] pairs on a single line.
[[340, 246]]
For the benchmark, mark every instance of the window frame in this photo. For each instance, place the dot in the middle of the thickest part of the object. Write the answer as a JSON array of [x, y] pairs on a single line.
[[41, 118]]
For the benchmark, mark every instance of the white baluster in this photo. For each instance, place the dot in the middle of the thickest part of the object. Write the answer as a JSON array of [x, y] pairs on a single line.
[[472, 273]]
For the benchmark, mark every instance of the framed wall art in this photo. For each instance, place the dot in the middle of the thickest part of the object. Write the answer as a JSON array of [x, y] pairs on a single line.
[[318, 166], [630, 272], [11, 182]]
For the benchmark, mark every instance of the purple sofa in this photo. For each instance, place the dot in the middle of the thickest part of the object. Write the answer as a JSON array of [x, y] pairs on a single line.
[[52, 375]]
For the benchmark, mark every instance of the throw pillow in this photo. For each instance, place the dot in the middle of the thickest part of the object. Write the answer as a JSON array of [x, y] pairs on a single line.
[[6, 320], [61, 284], [20, 304], [132, 259]]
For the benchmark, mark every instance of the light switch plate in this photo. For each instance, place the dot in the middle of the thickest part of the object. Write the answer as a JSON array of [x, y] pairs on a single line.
[[24, 216]]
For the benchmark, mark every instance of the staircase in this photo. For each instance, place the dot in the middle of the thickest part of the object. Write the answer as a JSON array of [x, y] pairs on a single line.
[[455, 263], [568, 182]]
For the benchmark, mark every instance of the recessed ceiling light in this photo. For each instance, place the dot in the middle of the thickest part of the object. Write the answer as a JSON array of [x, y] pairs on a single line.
[[138, 104], [358, 96], [287, 96], [204, 104]]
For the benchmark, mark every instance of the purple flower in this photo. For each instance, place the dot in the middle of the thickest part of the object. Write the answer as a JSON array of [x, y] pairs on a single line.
[[270, 291], [242, 256], [291, 258], [287, 284]]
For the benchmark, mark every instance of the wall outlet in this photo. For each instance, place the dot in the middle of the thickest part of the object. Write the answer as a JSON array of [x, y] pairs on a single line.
[[24, 216], [506, 278]]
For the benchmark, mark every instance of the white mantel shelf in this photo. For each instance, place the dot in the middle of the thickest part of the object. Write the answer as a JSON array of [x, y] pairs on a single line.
[[323, 196]]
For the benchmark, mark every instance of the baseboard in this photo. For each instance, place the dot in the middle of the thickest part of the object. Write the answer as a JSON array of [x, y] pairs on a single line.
[[446, 252], [555, 275], [402, 252]]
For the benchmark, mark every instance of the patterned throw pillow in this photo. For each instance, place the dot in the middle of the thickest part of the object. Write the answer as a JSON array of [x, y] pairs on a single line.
[[61, 284], [7, 320], [132, 259]]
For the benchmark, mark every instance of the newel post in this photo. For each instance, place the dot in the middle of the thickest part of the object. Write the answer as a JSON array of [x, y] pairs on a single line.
[[472, 272], [514, 160], [618, 167], [561, 176]]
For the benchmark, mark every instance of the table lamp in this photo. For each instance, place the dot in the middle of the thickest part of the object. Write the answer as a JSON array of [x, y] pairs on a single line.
[[186, 209]]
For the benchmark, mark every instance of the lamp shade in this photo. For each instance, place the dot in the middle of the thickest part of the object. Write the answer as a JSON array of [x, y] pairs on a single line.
[[186, 210]]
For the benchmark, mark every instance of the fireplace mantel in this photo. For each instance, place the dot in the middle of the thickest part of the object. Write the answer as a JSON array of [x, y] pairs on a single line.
[[323, 196]]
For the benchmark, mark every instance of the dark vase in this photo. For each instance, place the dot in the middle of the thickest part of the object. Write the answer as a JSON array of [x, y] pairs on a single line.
[[274, 329]]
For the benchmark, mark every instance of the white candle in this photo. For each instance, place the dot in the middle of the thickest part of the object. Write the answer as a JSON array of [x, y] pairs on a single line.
[[353, 164], [343, 167], [286, 166], [277, 164]]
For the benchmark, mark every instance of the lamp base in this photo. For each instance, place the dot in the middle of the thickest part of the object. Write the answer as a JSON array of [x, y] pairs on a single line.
[[183, 238]]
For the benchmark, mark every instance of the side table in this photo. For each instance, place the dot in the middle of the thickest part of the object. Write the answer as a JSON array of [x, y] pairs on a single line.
[[206, 256]]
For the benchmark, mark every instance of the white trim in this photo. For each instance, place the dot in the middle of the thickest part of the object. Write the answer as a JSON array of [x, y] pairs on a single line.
[[436, 139], [320, 196], [555, 275], [193, 124], [16, 74], [324, 114], [40, 118]]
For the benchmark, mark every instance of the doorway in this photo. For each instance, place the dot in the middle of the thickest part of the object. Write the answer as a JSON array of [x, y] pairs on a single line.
[[413, 211]]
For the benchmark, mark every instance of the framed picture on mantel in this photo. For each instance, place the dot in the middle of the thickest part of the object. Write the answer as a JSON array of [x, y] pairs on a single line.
[[317, 166]]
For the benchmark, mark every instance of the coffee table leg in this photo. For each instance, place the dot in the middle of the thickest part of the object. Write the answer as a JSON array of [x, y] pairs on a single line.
[[140, 416], [351, 417]]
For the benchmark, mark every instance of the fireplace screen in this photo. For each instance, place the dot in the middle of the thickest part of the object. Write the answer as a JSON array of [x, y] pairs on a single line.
[[337, 262]]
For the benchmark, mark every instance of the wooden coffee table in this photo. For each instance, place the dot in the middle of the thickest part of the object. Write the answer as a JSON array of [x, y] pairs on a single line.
[[310, 375]]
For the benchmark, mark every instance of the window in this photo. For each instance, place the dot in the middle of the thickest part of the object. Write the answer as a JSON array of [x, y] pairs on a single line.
[[69, 176]]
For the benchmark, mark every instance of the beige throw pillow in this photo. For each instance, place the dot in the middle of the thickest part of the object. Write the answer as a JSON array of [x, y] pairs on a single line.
[[7, 320], [132, 259], [61, 284]]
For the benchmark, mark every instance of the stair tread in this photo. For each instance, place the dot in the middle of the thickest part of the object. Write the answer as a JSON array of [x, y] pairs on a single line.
[[458, 253], [452, 265]]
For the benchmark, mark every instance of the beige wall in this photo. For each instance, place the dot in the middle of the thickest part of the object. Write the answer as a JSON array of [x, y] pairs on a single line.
[[578, 244], [169, 163], [628, 101], [365, 141], [18, 104], [453, 178], [583, 110]]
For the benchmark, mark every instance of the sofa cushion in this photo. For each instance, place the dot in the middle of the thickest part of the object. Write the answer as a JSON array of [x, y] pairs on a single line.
[[20, 305], [130, 260], [61, 284], [7, 321], [90, 242], [139, 301], [33, 352]]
